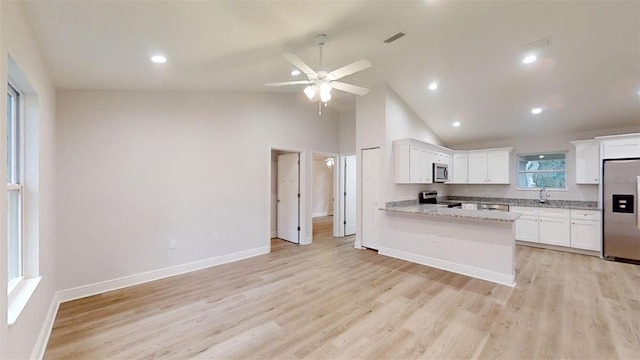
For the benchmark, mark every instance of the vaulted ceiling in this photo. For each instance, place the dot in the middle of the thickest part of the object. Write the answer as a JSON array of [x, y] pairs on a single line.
[[586, 78]]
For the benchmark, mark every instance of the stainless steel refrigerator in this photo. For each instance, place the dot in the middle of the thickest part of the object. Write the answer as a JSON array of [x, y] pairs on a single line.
[[621, 218]]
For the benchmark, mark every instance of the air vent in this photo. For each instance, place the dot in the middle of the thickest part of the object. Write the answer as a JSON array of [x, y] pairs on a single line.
[[394, 37]]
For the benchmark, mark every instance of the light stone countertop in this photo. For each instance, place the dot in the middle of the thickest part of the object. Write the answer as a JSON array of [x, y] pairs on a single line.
[[551, 203], [410, 207]]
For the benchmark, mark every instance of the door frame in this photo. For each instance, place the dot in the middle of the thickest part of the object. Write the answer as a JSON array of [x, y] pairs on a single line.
[[336, 185], [339, 230], [303, 194]]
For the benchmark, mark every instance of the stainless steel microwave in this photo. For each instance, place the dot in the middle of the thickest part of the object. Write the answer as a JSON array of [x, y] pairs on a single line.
[[440, 173]]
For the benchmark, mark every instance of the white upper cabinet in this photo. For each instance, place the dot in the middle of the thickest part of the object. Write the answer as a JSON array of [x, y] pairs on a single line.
[[498, 166], [460, 167], [489, 166], [478, 167], [587, 161], [620, 146], [412, 162]]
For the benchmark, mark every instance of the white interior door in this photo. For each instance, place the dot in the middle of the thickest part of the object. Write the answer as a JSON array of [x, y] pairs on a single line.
[[370, 191], [288, 199], [349, 195]]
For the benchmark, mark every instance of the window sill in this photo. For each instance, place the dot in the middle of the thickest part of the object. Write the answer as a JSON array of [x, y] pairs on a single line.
[[19, 297]]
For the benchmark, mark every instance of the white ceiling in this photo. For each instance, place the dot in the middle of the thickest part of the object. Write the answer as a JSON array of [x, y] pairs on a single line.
[[587, 79]]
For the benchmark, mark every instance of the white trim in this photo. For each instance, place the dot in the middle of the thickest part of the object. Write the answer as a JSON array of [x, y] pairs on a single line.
[[306, 241], [19, 297], [45, 331], [503, 279], [126, 281], [274, 234], [319, 214]]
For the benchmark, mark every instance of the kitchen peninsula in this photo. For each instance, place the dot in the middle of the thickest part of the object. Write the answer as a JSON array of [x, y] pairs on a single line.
[[475, 243]]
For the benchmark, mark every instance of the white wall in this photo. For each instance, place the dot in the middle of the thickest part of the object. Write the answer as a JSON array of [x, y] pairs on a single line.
[[139, 169], [347, 131], [528, 145], [401, 123], [322, 193], [18, 341], [382, 117]]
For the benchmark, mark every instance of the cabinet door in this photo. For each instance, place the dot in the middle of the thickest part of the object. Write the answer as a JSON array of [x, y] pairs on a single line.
[[498, 167], [527, 228], [477, 167], [588, 163], [586, 234], [416, 165], [624, 147], [460, 168], [554, 231], [427, 170]]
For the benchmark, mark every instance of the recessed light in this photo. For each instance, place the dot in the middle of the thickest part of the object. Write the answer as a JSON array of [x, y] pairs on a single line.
[[529, 59], [536, 111], [433, 85], [295, 72], [456, 124], [159, 59], [541, 156]]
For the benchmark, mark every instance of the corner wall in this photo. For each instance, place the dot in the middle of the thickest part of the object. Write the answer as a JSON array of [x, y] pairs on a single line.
[[18, 41], [382, 117]]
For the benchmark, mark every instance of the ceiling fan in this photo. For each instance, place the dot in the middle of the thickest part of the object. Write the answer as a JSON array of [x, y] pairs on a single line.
[[323, 81]]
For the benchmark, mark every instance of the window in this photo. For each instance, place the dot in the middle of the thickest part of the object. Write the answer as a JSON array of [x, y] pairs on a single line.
[[542, 170], [14, 187]]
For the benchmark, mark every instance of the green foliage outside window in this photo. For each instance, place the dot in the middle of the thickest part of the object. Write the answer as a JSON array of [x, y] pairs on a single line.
[[542, 170]]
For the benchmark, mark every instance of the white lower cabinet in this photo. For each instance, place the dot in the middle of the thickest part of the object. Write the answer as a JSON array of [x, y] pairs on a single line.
[[586, 233], [554, 231], [526, 224], [579, 229]]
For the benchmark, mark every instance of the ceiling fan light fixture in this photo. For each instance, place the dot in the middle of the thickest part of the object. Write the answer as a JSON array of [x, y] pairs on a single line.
[[310, 91], [325, 96], [325, 92]]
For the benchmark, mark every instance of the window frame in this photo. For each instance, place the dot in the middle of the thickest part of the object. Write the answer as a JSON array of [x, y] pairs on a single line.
[[15, 167], [537, 154]]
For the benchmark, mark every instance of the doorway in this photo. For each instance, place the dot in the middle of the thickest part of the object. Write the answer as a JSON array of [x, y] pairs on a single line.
[[370, 195], [286, 195], [324, 189]]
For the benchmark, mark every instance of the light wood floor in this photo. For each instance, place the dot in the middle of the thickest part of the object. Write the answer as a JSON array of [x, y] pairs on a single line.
[[329, 300]]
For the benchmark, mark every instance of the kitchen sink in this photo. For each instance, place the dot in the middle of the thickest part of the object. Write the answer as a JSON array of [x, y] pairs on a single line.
[[494, 207]]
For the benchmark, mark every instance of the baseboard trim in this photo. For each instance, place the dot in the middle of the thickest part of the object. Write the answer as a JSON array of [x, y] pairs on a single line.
[[508, 280], [274, 234], [126, 281], [45, 331]]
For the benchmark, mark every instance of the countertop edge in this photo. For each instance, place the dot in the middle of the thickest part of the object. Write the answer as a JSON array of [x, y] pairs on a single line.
[[462, 214]]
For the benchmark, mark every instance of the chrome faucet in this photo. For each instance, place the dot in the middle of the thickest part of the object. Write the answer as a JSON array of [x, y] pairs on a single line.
[[544, 195]]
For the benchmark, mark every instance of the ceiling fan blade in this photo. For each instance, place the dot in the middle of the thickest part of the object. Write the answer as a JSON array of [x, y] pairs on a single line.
[[349, 69], [301, 82], [349, 88], [295, 60]]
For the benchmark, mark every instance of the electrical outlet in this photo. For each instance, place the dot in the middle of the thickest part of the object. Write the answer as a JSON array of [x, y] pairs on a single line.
[[172, 244], [215, 238]]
